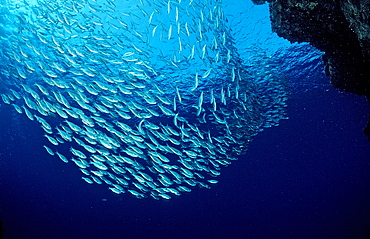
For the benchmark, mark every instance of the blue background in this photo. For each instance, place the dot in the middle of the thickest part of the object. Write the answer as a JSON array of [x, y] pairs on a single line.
[[307, 178]]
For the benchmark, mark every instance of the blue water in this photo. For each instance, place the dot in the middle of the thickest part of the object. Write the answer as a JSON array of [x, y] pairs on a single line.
[[307, 178]]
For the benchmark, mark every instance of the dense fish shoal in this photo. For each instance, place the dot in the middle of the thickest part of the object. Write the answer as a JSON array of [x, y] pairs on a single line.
[[151, 97]]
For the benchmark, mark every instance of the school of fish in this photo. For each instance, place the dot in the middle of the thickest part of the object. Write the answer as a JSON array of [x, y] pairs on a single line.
[[151, 97]]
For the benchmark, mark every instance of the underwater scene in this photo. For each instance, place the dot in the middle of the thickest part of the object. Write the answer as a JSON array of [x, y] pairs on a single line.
[[172, 119]]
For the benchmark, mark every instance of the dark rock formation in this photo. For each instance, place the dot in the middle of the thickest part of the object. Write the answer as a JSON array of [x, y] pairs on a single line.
[[340, 28]]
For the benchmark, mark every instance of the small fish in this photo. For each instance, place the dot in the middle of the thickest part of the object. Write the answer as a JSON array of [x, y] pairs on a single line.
[[196, 83]]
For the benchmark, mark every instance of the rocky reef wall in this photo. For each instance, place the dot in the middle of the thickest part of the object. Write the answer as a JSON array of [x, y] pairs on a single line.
[[340, 28]]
